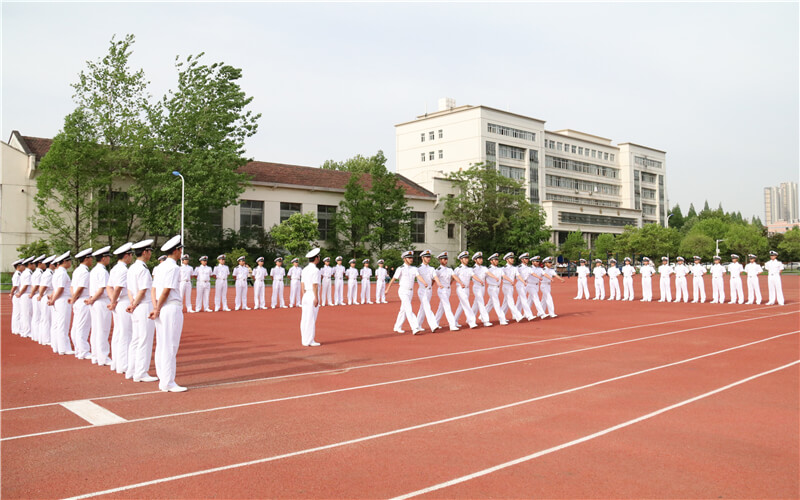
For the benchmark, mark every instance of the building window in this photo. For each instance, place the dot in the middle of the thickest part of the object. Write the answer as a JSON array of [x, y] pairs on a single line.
[[595, 220], [581, 185], [512, 152], [648, 194], [441, 133], [289, 209], [518, 174], [113, 206], [581, 201], [441, 154], [646, 162], [594, 153], [558, 146], [431, 156], [574, 148], [580, 150], [586, 152], [251, 213], [326, 214], [422, 157], [417, 227], [611, 157], [648, 177], [637, 191], [582, 167], [491, 149], [605, 156], [422, 137], [215, 217], [511, 132], [451, 231], [430, 135]]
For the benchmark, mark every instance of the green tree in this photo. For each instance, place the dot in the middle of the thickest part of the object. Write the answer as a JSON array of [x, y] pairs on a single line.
[[353, 218], [789, 248], [527, 231], [715, 228], [692, 213], [625, 243], [574, 245], [654, 241], [359, 164], [677, 219], [696, 243], [743, 240], [390, 224], [297, 234], [37, 248], [706, 211], [604, 245]]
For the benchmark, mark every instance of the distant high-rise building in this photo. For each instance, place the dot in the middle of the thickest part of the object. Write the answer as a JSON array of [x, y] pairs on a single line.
[[780, 203]]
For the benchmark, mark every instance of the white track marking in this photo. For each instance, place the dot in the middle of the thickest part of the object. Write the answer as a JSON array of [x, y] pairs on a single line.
[[421, 426], [93, 413], [382, 384], [589, 437], [402, 361]]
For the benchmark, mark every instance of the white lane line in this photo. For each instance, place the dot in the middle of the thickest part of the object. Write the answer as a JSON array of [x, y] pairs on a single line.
[[418, 426], [381, 384], [93, 413], [583, 439], [410, 360]]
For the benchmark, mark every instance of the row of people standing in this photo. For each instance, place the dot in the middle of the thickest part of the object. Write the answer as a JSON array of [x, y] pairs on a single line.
[[73, 315], [681, 271]]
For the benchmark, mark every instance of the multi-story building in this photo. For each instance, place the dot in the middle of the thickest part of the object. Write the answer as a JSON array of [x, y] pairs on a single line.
[[583, 181], [780, 203]]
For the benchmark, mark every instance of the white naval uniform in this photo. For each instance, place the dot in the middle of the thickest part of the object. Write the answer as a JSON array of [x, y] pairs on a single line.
[[681, 285], [613, 283], [599, 282], [664, 283], [221, 273], [240, 274], [186, 285], [366, 292], [295, 287], [45, 312], [717, 283], [478, 288], [523, 301], [753, 287], [338, 285], [380, 285], [326, 294], [627, 281], [352, 285], [737, 293], [259, 274], [35, 279], [774, 268], [647, 272], [535, 278], [62, 312], [547, 298], [405, 276], [142, 327], [583, 282], [464, 274], [81, 313], [493, 288], [277, 274], [511, 272], [101, 316], [15, 302], [121, 339], [24, 304], [425, 294], [698, 283], [203, 273], [445, 275], [169, 323], [308, 319]]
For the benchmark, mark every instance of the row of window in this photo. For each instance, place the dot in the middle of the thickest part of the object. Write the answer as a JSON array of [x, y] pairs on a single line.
[[511, 132], [648, 177], [582, 167], [595, 220], [580, 185], [648, 209], [581, 201], [579, 150], [431, 155], [512, 152], [431, 135], [646, 162], [648, 194], [518, 174]]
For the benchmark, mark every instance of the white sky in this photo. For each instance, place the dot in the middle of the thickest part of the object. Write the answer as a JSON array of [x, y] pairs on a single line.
[[714, 85]]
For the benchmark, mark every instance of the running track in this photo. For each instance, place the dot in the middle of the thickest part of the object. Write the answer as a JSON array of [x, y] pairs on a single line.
[[607, 400]]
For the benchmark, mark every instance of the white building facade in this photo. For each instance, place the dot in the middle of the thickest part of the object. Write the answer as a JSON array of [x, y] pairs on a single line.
[[583, 181]]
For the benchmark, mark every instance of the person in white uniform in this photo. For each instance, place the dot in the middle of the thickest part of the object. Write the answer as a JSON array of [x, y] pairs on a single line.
[[99, 301], [533, 286], [61, 304], [24, 298], [548, 275], [45, 312], [380, 282], [36, 277], [338, 282], [647, 271], [717, 272], [295, 283], [494, 277], [140, 283], [81, 312], [366, 288], [118, 305], [221, 273], [599, 273], [664, 283], [698, 284], [326, 294], [509, 281], [753, 269], [352, 283], [425, 293], [736, 269], [524, 272], [479, 287], [310, 301], [240, 274], [582, 271], [774, 268], [167, 315], [627, 279], [613, 280], [17, 265], [186, 282], [405, 276], [445, 278], [463, 275], [681, 284], [203, 274], [259, 275]]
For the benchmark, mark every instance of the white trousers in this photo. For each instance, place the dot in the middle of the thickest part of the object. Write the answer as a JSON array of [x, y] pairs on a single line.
[[201, 301], [627, 286], [380, 291], [425, 310], [141, 348], [444, 307], [326, 298], [479, 304], [220, 295], [547, 302], [59, 330], [308, 318], [647, 288], [14, 314], [240, 302], [121, 339], [508, 303], [599, 288], [352, 292], [34, 319], [186, 294], [523, 302], [169, 326], [698, 289], [681, 289], [295, 293], [753, 290], [737, 294], [583, 287], [101, 327], [613, 289], [277, 293], [463, 306], [494, 303], [338, 292], [81, 324], [406, 311], [775, 289], [532, 293], [665, 289], [366, 291], [258, 294], [24, 304], [44, 321], [718, 289]]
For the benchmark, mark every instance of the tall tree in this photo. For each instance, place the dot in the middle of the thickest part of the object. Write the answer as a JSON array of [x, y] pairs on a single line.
[[353, 218], [744, 240], [297, 234], [676, 220], [390, 226], [789, 248], [654, 241], [527, 231], [574, 246], [692, 212], [359, 164], [604, 245], [696, 243]]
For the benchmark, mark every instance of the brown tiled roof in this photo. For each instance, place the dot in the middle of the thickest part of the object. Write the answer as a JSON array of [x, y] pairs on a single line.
[[37, 145], [279, 173]]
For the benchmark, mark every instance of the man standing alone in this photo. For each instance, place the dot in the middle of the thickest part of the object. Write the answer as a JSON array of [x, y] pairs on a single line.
[[310, 301], [168, 315]]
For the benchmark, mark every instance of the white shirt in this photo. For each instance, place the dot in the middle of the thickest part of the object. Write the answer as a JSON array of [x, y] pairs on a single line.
[[464, 273], [736, 270], [613, 272], [665, 270], [15, 279], [545, 286], [220, 272], [366, 273], [80, 278], [599, 272], [445, 275], [582, 271], [774, 267], [338, 272], [326, 272], [647, 271], [698, 270], [35, 277], [628, 271], [497, 273], [186, 272], [681, 271], [241, 273], [278, 272], [98, 281], [309, 277], [139, 278], [351, 273], [380, 274], [536, 276], [47, 281], [717, 271], [25, 279], [753, 270], [511, 272], [524, 272], [203, 273], [259, 273], [426, 271], [119, 277], [480, 272], [61, 280], [405, 276], [168, 275]]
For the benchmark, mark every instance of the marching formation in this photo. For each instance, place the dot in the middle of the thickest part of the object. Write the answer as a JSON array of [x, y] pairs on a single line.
[[74, 315], [681, 271]]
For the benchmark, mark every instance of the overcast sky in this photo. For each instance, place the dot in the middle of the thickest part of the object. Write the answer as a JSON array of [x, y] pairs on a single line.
[[714, 85]]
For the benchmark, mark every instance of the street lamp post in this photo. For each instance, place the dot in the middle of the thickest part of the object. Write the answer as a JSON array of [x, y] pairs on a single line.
[[717, 252], [183, 193], [668, 216]]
